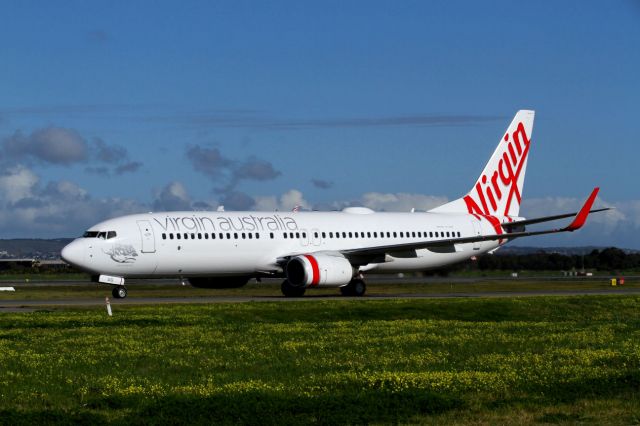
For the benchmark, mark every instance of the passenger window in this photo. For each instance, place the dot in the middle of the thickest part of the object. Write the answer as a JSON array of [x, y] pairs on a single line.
[[284, 234], [375, 235], [257, 235], [324, 235], [419, 234], [430, 234], [171, 236], [315, 235], [199, 236], [186, 236], [304, 235], [458, 234], [337, 235], [297, 235], [413, 234], [193, 236], [164, 236], [206, 236], [243, 235], [291, 235], [344, 235], [178, 236], [330, 234], [271, 235], [389, 234], [228, 235], [235, 235]]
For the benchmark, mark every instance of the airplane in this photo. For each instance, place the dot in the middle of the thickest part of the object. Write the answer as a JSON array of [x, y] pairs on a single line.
[[311, 249]]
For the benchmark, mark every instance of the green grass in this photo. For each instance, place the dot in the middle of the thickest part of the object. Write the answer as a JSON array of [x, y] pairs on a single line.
[[526, 360]]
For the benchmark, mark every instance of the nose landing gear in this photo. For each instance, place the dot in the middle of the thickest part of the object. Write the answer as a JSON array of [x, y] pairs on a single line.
[[119, 292]]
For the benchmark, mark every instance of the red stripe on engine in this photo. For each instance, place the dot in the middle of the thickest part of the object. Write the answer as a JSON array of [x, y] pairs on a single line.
[[315, 280]]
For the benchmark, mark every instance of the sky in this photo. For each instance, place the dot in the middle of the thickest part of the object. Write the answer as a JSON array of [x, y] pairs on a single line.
[[109, 108]]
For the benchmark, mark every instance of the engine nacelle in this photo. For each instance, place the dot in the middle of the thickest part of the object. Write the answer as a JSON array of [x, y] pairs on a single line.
[[218, 282], [310, 270]]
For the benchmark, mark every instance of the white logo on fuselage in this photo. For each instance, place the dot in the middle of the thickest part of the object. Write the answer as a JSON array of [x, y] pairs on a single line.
[[227, 223]]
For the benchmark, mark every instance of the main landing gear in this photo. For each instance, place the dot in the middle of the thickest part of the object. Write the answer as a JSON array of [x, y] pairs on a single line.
[[119, 292], [356, 287]]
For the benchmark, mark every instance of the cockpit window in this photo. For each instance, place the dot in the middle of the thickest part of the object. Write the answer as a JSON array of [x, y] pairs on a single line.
[[103, 235]]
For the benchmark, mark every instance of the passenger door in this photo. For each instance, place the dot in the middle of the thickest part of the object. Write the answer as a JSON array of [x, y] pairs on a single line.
[[148, 238]]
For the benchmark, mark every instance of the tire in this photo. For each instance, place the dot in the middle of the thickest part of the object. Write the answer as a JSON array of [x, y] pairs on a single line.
[[359, 288], [355, 288], [119, 292], [346, 290], [291, 291]]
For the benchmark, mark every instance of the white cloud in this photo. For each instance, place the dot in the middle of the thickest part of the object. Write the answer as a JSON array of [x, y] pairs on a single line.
[[173, 196], [402, 202], [29, 208], [286, 202], [17, 184]]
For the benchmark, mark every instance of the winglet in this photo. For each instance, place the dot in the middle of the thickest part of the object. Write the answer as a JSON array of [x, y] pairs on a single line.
[[581, 217]]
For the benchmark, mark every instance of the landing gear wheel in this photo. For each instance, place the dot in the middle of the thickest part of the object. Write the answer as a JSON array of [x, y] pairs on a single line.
[[345, 290], [356, 287], [359, 287], [290, 290], [119, 292]]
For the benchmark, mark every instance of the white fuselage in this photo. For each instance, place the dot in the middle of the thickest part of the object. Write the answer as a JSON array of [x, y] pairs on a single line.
[[193, 244]]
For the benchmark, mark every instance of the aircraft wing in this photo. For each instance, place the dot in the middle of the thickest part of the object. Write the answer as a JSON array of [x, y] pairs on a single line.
[[441, 245]]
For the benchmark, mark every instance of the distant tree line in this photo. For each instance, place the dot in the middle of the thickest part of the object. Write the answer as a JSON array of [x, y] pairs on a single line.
[[609, 259]]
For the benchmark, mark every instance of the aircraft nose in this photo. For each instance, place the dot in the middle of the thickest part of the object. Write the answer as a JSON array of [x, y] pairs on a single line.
[[73, 253]]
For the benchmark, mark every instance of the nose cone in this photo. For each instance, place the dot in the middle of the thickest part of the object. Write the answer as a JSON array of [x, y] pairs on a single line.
[[73, 253]]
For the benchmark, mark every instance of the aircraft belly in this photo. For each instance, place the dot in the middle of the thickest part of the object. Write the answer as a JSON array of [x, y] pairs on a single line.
[[207, 262]]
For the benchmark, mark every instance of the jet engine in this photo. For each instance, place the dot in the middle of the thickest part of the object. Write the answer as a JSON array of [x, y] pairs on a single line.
[[310, 270], [218, 282]]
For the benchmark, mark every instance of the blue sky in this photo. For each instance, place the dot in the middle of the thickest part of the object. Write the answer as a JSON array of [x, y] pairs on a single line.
[[109, 108]]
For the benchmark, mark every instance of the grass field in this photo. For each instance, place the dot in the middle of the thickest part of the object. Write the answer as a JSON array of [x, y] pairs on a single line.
[[467, 361], [93, 291]]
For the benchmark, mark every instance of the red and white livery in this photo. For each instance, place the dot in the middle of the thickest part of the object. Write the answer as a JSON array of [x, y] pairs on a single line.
[[315, 249]]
